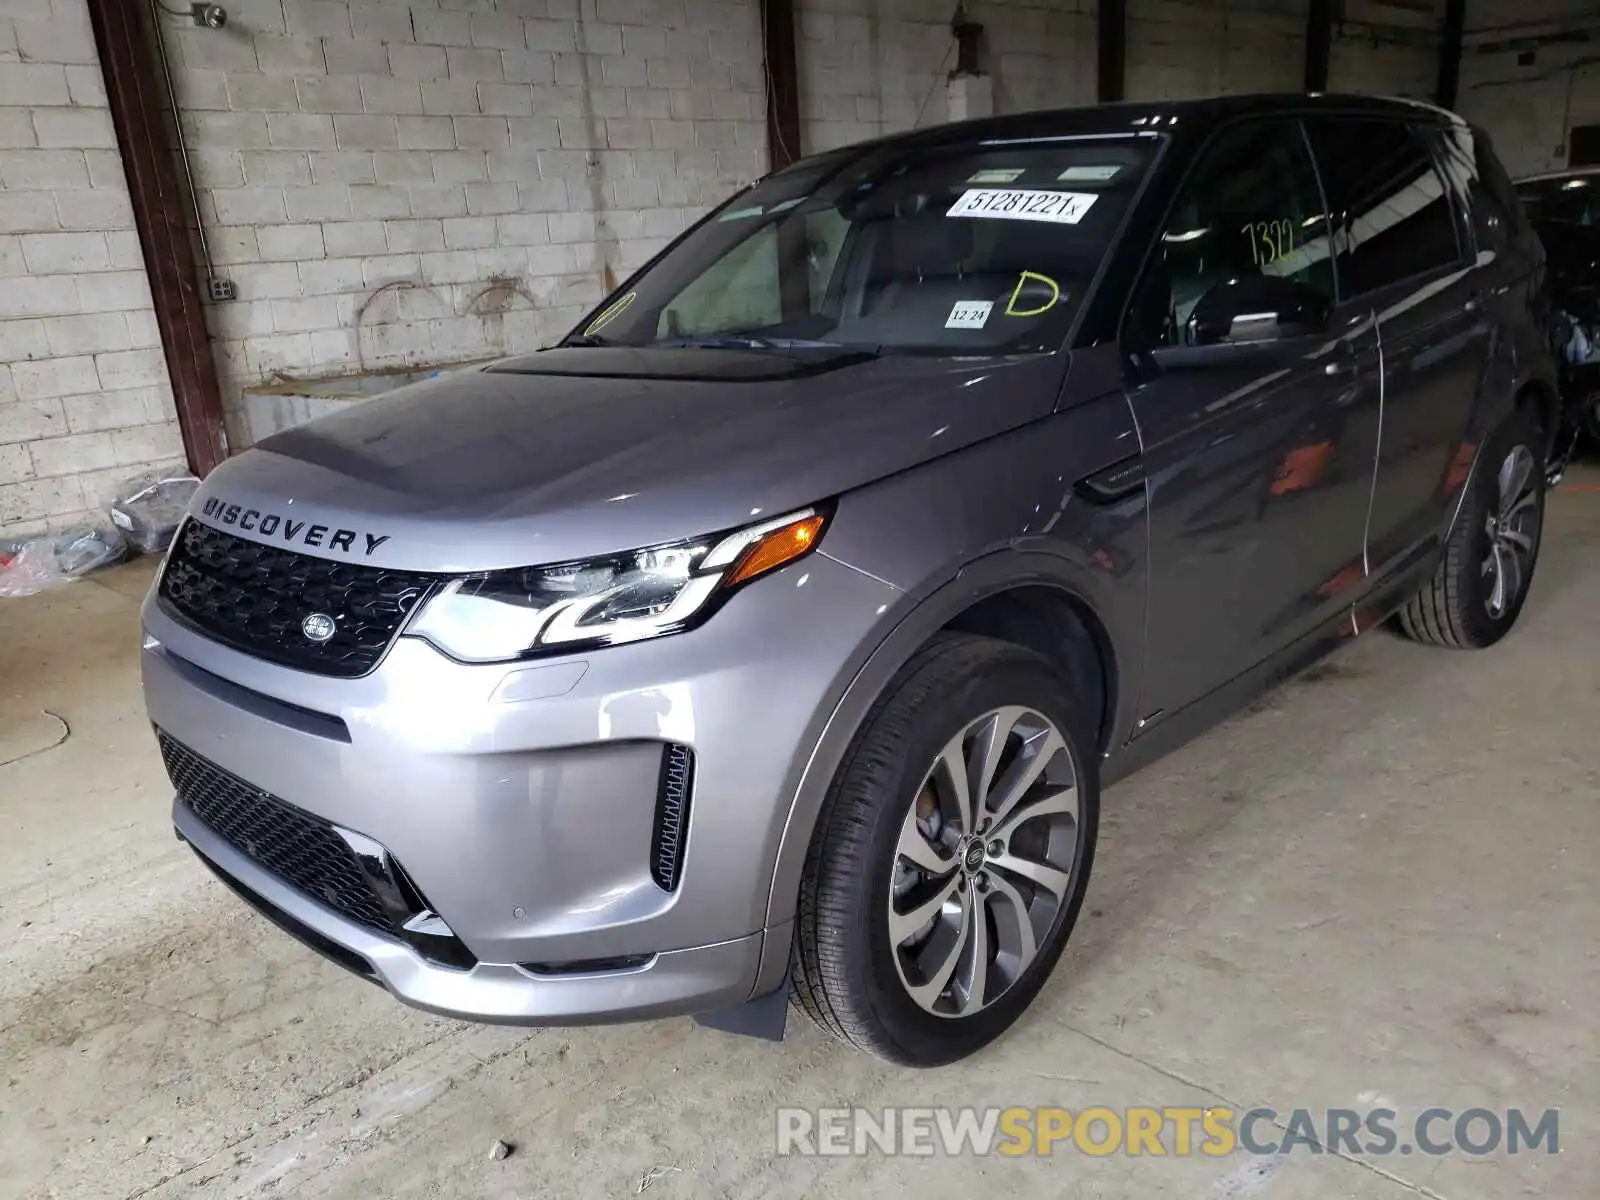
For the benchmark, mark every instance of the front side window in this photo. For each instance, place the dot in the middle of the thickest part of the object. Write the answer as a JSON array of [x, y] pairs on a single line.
[[1247, 227], [969, 250], [1392, 218]]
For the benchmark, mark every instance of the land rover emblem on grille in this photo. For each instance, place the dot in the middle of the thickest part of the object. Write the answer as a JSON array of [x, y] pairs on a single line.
[[318, 627]]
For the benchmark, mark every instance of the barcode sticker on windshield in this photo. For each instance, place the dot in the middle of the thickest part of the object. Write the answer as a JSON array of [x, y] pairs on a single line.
[[969, 314], [996, 175], [1018, 204], [1088, 174]]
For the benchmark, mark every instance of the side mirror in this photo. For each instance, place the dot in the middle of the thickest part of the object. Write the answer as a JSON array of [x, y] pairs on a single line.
[[1257, 308]]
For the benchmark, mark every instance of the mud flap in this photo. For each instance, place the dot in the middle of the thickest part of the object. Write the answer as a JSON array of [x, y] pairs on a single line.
[[761, 1017]]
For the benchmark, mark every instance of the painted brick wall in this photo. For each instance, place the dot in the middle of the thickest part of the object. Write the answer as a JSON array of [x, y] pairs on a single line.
[[1529, 107], [869, 67], [1178, 49], [84, 395], [392, 183]]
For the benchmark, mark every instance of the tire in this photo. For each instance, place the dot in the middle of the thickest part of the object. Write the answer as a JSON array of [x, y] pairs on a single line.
[[1457, 607], [850, 975]]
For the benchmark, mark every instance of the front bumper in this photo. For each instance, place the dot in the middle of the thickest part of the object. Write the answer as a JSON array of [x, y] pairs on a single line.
[[668, 983], [520, 799]]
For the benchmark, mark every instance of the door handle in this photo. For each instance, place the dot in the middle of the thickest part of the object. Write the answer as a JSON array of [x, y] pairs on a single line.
[[1344, 362]]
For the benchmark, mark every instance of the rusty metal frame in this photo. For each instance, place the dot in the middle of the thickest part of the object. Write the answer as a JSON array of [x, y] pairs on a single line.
[[1450, 38], [160, 214], [1111, 51], [1319, 44], [783, 82]]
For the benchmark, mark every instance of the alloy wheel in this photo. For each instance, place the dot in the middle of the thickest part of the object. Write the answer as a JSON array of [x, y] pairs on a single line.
[[984, 861], [1513, 529]]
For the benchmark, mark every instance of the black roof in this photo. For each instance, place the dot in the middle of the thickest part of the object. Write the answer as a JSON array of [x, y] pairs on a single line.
[[1141, 116]]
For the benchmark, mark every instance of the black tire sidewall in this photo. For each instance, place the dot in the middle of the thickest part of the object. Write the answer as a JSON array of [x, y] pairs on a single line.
[[1009, 676]]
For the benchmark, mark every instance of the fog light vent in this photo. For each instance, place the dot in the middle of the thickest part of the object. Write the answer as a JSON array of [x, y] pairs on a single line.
[[672, 816]]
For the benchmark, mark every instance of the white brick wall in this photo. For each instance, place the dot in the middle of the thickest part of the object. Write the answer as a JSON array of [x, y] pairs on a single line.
[[393, 183], [84, 396], [1528, 108], [869, 67]]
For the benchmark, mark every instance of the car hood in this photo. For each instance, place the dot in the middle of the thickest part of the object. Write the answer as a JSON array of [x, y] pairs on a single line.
[[585, 451]]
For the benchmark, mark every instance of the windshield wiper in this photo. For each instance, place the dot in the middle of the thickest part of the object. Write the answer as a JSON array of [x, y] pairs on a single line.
[[587, 339], [755, 341]]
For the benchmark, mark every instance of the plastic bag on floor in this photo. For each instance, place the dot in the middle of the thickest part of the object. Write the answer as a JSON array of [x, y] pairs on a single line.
[[47, 562], [149, 507], [32, 568]]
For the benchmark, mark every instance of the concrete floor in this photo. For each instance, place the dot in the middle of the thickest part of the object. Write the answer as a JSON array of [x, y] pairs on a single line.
[[1381, 882]]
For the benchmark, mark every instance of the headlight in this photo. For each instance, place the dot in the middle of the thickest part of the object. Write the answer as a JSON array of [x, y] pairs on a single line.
[[502, 615]]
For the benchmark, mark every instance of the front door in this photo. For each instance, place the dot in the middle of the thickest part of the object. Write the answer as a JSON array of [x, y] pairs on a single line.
[[1256, 399]]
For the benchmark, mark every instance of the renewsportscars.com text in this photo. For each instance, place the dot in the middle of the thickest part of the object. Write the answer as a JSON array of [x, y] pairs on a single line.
[[1161, 1132]]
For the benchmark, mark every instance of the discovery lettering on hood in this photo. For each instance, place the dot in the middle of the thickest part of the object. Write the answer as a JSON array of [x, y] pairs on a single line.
[[274, 525]]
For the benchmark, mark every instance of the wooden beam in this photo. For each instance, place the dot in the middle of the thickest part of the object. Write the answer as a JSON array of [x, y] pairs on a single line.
[[160, 216], [1112, 47], [1319, 44], [783, 82]]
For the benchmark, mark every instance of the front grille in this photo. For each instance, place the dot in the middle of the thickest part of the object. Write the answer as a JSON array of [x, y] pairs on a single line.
[[298, 848], [672, 815], [254, 598]]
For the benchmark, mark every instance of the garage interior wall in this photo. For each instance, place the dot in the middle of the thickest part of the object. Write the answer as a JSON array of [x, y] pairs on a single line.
[[1530, 71], [84, 396], [404, 183]]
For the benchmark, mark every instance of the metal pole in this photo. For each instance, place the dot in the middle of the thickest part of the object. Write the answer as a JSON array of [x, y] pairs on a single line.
[[1112, 47], [159, 216], [1455, 24], [1319, 44]]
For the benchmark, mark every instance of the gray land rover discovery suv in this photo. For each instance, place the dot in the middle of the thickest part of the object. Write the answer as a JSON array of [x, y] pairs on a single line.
[[777, 632]]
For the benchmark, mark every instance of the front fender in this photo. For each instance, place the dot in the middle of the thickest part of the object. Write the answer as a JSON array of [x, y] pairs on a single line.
[[1006, 515]]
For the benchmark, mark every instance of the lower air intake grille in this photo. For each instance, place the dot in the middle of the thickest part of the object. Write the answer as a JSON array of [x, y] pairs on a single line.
[[306, 852], [291, 843], [672, 815]]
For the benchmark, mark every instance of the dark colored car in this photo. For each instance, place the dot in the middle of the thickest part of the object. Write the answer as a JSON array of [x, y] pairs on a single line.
[[779, 629], [1564, 210]]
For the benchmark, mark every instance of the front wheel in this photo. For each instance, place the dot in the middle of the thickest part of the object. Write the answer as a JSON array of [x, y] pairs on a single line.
[[1482, 579], [951, 857]]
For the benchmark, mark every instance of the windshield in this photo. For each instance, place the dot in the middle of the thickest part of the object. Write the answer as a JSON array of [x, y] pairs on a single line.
[[973, 250], [1575, 200]]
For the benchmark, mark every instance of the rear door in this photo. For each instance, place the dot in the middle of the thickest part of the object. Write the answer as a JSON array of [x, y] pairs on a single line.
[[1403, 251], [1258, 451]]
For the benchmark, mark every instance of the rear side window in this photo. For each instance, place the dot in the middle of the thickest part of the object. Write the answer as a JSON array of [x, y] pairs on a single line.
[[1392, 216]]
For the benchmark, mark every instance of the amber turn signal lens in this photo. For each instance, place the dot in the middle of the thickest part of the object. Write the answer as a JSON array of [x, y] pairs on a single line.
[[777, 548]]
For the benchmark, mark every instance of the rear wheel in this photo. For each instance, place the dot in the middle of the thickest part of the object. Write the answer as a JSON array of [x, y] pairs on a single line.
[[1482, 579], [951, 858]]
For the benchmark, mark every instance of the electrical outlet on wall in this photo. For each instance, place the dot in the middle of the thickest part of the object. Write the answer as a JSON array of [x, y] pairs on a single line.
[[219, 290]]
